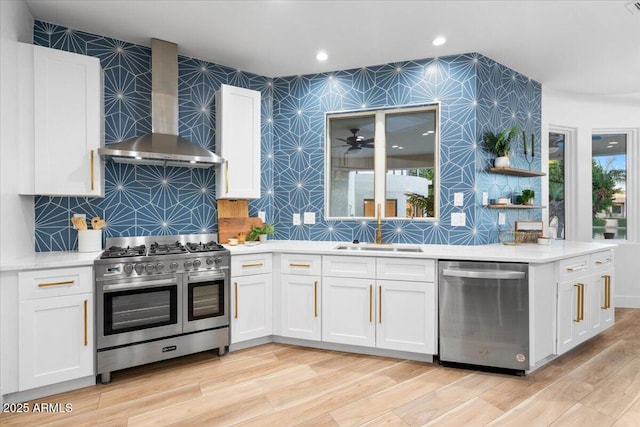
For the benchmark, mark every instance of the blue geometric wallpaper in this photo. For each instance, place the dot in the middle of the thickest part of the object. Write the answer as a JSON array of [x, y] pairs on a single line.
[[474, 93]]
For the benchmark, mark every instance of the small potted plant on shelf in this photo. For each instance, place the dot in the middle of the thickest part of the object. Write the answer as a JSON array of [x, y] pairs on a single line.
[[526, 198], [260, 233], [500, 145]]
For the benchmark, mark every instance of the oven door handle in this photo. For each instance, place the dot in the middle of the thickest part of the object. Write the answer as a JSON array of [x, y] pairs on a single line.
[[198, 278], [148, 284]]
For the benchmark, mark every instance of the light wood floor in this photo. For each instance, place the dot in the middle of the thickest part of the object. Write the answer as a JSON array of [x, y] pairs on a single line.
[[597, 384]]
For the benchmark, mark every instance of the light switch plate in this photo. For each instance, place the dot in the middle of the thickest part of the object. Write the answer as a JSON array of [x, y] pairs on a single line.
[[458, 219], [262, 215], [296, 219], [458, 199], [502, 218], [485, 198], [309, 218]]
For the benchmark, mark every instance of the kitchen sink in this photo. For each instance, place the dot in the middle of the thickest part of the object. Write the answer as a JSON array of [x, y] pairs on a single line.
[[379, 248]]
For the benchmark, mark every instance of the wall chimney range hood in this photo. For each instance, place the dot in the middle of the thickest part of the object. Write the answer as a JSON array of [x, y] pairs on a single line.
[[162, 147]]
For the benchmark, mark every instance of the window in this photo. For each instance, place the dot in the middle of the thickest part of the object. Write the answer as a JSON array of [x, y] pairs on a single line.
[[608, 181], [556, 185], [386, 159]]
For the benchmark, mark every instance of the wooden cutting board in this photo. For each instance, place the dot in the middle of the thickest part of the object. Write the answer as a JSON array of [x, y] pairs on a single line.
[[233, 208], [231, 227]]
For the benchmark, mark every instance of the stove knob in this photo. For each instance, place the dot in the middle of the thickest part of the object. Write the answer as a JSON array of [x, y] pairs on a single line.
[[188, 264], [218, 261], [209, 261], [159, 266], [173, 266], [139, 268], [149, 267], [128, 268], [197, 263]]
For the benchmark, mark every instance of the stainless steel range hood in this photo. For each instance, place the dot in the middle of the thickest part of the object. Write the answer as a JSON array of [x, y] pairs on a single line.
[[163, 146]]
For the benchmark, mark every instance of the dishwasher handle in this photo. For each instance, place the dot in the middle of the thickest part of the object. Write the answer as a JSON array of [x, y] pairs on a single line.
[[484, 274]]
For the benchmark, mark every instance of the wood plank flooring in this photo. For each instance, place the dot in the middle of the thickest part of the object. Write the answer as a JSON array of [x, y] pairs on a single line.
[[596, 384]]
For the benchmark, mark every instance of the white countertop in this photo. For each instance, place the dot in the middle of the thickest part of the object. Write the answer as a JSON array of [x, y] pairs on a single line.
[[529, 253]]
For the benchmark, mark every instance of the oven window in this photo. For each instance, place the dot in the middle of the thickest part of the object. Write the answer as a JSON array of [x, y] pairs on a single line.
[[206, 300], [140, 309]]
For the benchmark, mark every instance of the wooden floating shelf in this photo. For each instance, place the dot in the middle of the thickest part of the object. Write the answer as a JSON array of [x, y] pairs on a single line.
[[515, 172], [515, 207]]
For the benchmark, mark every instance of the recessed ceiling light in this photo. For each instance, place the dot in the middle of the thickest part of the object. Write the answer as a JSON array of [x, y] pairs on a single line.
[[400, 148], [429, 132], [613, 143], [322, 56], [439, 41], [394, 146]]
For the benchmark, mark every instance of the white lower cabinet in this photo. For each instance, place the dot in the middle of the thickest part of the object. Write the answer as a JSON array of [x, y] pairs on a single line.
[[300, 296], [382, 313], [251, 297], [584, 304], [56, 326]]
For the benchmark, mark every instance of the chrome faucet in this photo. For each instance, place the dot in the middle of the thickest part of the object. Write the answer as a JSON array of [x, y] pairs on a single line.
[[379, 225]]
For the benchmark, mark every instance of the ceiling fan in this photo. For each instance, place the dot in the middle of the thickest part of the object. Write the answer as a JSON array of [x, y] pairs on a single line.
[[357, 142], [556, 142]]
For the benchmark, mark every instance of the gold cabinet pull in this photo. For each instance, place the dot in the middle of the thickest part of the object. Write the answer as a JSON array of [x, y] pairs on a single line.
[[294, 265], [577, 286], [91, 169], [581, 301], [255, 264], [604, 261], [607, 292], [370, 303], [235, 291], [315, 299], [226, 176], [379, 304], [577, 267], [86, 340], [65, 283]]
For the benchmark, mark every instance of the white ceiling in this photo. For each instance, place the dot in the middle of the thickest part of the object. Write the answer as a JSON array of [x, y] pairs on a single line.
[[590, 47]]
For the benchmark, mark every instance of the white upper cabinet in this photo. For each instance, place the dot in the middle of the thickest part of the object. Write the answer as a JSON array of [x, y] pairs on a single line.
[[61, 122], [238, 142]]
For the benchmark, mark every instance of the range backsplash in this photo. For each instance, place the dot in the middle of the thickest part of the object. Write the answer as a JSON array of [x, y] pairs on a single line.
[[475, 93]]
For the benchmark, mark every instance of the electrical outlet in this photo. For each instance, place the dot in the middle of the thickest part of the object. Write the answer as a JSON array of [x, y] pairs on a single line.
[[262, 215], [502, 218], [458, 199], [485, 198], [458, 219], [296, 219], [309, 217]]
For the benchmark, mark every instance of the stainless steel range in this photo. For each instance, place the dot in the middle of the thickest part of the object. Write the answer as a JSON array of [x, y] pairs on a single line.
[[160, 297]]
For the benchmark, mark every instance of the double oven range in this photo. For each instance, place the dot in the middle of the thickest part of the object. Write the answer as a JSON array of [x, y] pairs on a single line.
[[160, 297]]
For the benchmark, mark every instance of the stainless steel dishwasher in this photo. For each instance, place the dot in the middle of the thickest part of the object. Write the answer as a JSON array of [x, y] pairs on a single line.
[[484, 315]]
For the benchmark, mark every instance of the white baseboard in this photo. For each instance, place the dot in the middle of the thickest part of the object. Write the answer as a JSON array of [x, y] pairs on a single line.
[[624, 301]]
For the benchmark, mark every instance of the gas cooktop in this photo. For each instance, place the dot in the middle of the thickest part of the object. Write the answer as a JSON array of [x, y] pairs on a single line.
[[125, 247]]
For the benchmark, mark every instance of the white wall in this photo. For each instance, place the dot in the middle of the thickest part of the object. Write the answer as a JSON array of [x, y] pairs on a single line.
[[16, 214], [582, 115]]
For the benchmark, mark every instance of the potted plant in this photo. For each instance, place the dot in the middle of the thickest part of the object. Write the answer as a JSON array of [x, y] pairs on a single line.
[[500, 144], [260, 233], [526, 198]]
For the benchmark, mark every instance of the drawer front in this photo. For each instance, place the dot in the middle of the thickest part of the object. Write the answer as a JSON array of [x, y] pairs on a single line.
[[246, 265], [573, 267], [301, 264], [601, 261], [410, 269], [35, 284], [349, 266]]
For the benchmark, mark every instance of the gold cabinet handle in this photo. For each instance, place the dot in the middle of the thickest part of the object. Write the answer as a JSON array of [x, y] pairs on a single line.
[[605, 261], [315, 299], [255, 264], [226, 176], [235, 291], [91, 169], [607, 292], [577, 286], [581, 301], [577, 267], [379, 304], [65, 283], [294, 265], [86, 340], [370, 303]]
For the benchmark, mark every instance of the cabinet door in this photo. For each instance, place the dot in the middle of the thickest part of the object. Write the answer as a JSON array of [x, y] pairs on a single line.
[[56, 340], [68, 123], [600, 303], [348, 311], [406, 316], [238, 142], [300, 296], [571, 327], [251, 307]]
